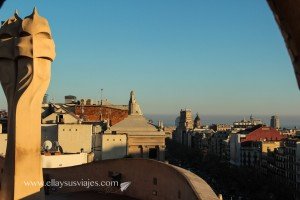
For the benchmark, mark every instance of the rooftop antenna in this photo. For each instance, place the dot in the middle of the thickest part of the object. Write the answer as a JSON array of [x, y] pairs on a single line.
[[101, 96]]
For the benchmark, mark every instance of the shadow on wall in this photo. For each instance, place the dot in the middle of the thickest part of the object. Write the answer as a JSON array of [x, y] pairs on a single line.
[[118, 151], [113, 152]]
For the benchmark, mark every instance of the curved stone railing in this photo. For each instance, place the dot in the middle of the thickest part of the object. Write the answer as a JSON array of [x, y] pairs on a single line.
[[149, 179], [287, 15]]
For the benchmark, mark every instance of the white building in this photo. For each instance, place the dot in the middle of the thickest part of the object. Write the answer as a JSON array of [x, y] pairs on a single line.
[[60, 115], [245, 124], [65, 160], [235, 148]]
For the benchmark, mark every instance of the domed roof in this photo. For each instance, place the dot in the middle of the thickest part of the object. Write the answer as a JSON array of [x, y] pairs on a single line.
[[197, 118]]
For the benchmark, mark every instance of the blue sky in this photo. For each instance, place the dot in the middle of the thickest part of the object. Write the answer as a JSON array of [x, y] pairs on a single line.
[[215, 57]]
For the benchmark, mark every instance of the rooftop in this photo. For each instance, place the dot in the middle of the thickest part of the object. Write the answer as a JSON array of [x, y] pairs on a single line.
[[135, 124], [264, 133]]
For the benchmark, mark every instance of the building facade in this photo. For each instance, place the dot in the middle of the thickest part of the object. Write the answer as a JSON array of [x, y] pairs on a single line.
[[111, 146], [246, 124], [221, 127], [75, 138], [219, 143], [185, 124], [275, 122]]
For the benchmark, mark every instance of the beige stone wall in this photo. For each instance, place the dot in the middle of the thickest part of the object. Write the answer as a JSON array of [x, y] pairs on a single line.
[[74, 137], [143, 151], [3, 144], [138, 146], [269, 145], [68, 119], [135, 152], [57, 161], [146, 140], [113, 146], [171, 182]]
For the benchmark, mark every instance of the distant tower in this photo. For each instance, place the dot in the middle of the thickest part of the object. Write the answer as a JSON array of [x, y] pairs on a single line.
[[197, 122], [134, 107], [275, 122], [186, 120]]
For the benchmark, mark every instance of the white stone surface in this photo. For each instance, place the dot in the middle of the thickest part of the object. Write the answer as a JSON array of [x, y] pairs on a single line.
[[67, 160]]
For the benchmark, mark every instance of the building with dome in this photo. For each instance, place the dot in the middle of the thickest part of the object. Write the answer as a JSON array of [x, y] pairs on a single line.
[[144, 139]]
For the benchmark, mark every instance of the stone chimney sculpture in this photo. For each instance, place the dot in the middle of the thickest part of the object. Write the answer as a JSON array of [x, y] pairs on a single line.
[[26, 53]]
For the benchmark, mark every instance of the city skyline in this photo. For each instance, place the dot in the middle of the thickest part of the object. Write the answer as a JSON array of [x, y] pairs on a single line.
[[198, 91], [197, 55]]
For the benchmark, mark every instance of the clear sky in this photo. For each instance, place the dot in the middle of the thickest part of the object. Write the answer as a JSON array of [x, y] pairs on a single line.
[[215, 57]]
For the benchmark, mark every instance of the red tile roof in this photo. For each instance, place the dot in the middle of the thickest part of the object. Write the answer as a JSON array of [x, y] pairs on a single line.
[[264, 133], [99, 113]]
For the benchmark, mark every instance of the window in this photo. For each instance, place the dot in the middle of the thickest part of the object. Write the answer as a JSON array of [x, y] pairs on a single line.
[[179, 194], [153, 153], [154, 181]]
